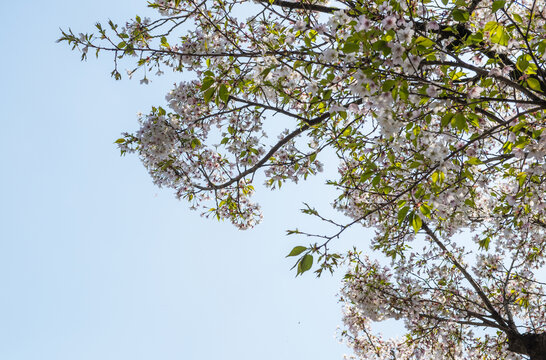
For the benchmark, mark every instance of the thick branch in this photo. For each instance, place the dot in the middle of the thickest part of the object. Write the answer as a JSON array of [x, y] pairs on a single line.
[[485, 73], [300, 5]]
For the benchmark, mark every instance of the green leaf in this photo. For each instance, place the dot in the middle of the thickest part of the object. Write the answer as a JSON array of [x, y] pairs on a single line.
[[296, 251], [207, 96], [207, 83], [484, 243], [460, 15], [388, 85], [425, 210], [474, 38], [305, 264], [164, 42], [379, 45], [460, 121], [416, 223], [517, 18], [500, 36], [266, 72], [350, 47], [474, 161], [521, 178], [522, 63], [446, 119], [534, 84], [402, 214], [195, 143], [404, 92], [497, 5], [223, 93], [423, 41]]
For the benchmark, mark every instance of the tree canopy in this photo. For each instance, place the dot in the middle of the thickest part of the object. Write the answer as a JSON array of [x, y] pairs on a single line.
[[435, 110]]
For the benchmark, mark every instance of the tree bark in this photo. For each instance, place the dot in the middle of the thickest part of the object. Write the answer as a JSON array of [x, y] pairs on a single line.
[[530, 344]]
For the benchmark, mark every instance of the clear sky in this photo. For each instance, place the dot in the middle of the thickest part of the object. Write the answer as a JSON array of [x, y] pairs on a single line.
[[97, 263]]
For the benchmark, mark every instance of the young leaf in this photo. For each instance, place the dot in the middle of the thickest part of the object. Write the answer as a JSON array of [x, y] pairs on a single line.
[[296, 251], [305, 264], [416, 223], [534, 84], [402, 214]]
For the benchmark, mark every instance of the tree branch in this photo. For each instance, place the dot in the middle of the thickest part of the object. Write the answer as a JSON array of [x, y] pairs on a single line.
[[300, 5], [502, 323]]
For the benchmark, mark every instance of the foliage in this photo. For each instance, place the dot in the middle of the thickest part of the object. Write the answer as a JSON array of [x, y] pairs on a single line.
[[436, 111]]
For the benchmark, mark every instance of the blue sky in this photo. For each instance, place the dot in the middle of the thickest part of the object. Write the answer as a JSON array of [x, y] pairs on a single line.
[[96, 262]]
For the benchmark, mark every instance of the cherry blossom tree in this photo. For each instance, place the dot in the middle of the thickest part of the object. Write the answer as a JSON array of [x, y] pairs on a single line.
[[435, 110]]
